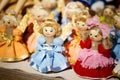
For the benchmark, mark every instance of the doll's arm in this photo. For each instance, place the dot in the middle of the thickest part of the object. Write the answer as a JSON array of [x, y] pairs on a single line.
[[103, 51], [36, 28], [66, 31], [23, 23], [3, 4], [19, 5]]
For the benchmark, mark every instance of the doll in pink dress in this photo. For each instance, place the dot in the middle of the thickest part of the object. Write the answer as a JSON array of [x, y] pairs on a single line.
[[94, 59]]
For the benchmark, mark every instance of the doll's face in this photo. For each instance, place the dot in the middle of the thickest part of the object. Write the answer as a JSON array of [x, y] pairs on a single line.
[[9, 21], [49, 31], [41, 15], [81, 25], [49, 4], [117, 23], [95, 35], [108, 12]]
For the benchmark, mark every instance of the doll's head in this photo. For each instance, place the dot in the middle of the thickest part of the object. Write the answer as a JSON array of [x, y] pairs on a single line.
[[49, 4], [73, 8], [10, 20], [39, 13], [95, 34], [109, 11], [50, 28], [81, 25], [117, 21]]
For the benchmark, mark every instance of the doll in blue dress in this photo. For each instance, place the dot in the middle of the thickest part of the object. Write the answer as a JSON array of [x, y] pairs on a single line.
[[48, 56], [115, 35]]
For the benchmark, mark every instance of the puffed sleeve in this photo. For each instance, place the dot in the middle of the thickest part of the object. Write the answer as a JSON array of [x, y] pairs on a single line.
[[41, 41], [58, 43], [103, 51]]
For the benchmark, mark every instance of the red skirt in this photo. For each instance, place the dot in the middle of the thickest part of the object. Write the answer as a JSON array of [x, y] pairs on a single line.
[[92, 73]]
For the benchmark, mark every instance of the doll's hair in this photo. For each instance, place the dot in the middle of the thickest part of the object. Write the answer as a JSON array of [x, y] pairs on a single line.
[[111, 7], [11, 18], [53, 2], [51, 23], [105, 41], [40, 11]]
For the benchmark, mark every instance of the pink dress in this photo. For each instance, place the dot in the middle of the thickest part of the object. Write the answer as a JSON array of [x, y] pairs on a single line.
[[93, 63]]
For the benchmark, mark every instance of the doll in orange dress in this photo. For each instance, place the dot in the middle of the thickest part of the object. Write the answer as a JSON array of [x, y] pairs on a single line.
[[12, 47], [94, 61]]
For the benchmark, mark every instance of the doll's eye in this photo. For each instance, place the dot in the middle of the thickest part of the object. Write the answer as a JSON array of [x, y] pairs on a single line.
[[83, 24], [95, 35], [8, 22], [38, 16], [46, 30], [110, 12], [3, 21], [90, 34], [115, 23], [51, 30]]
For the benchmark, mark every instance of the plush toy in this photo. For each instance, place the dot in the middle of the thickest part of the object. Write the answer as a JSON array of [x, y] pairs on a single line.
[[12, 47], [94, 59], [48, 56], [115, 35]]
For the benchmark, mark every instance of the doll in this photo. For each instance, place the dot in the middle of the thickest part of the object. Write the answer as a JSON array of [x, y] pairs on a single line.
[[72, 46], [73, 9], [107, 15], [38, 15], [48, 56], [73, 12], [53, 8], [12, 47], [115, 36], [94, 59]]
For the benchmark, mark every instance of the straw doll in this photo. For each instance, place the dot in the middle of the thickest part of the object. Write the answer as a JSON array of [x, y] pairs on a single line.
[[38, 15], [108, 14], [12, 47], [73, 12], [94, 59], [48, 56]]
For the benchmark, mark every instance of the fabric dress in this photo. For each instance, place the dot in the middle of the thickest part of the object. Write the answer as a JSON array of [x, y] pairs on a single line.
[[116, 46], [72, 48], [12, 49], [93, 63], [49, 58]]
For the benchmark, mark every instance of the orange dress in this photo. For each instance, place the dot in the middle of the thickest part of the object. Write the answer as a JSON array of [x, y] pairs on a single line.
[[13, 49], [73, 48]]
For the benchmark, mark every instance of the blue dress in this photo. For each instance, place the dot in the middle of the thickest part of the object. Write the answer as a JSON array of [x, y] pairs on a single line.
[[49, 58], [116, 45]]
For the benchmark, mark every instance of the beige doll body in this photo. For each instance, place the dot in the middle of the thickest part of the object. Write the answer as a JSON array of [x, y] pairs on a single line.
[[49, 57], [12, 47], [34, 23]]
